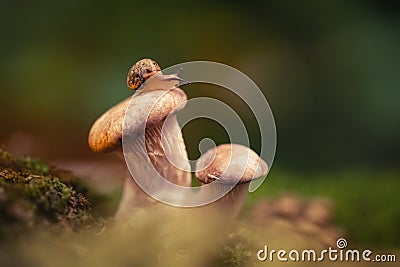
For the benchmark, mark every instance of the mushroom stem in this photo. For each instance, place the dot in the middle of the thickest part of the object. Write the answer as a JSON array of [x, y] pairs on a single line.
[[230, 204], [166, 150]]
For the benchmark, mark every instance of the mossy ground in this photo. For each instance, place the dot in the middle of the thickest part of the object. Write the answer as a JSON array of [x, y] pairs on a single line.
[[37, 200], [34, 195]]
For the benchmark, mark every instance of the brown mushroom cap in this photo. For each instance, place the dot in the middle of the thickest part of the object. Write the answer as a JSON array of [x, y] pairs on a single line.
[[106, 133], [225, 162]]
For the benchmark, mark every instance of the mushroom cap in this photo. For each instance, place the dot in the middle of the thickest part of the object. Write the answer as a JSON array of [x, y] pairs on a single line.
[[228, 161], [106, 133]]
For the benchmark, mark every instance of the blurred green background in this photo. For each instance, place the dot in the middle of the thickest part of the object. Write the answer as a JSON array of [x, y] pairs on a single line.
[[329, 69]]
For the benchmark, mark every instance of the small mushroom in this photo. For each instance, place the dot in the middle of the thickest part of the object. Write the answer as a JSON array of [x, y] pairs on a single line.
[[157, 100], [230, 165]]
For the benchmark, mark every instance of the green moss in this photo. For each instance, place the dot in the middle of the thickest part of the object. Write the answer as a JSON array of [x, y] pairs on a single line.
[[36, 165], [33, 194]]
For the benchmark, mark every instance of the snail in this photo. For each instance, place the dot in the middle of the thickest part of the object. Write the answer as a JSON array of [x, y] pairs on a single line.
[[143, 70]]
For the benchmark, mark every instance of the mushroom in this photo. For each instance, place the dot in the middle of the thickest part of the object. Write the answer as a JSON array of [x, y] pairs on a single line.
[[163, 147], [230, 165], [145, 130]]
